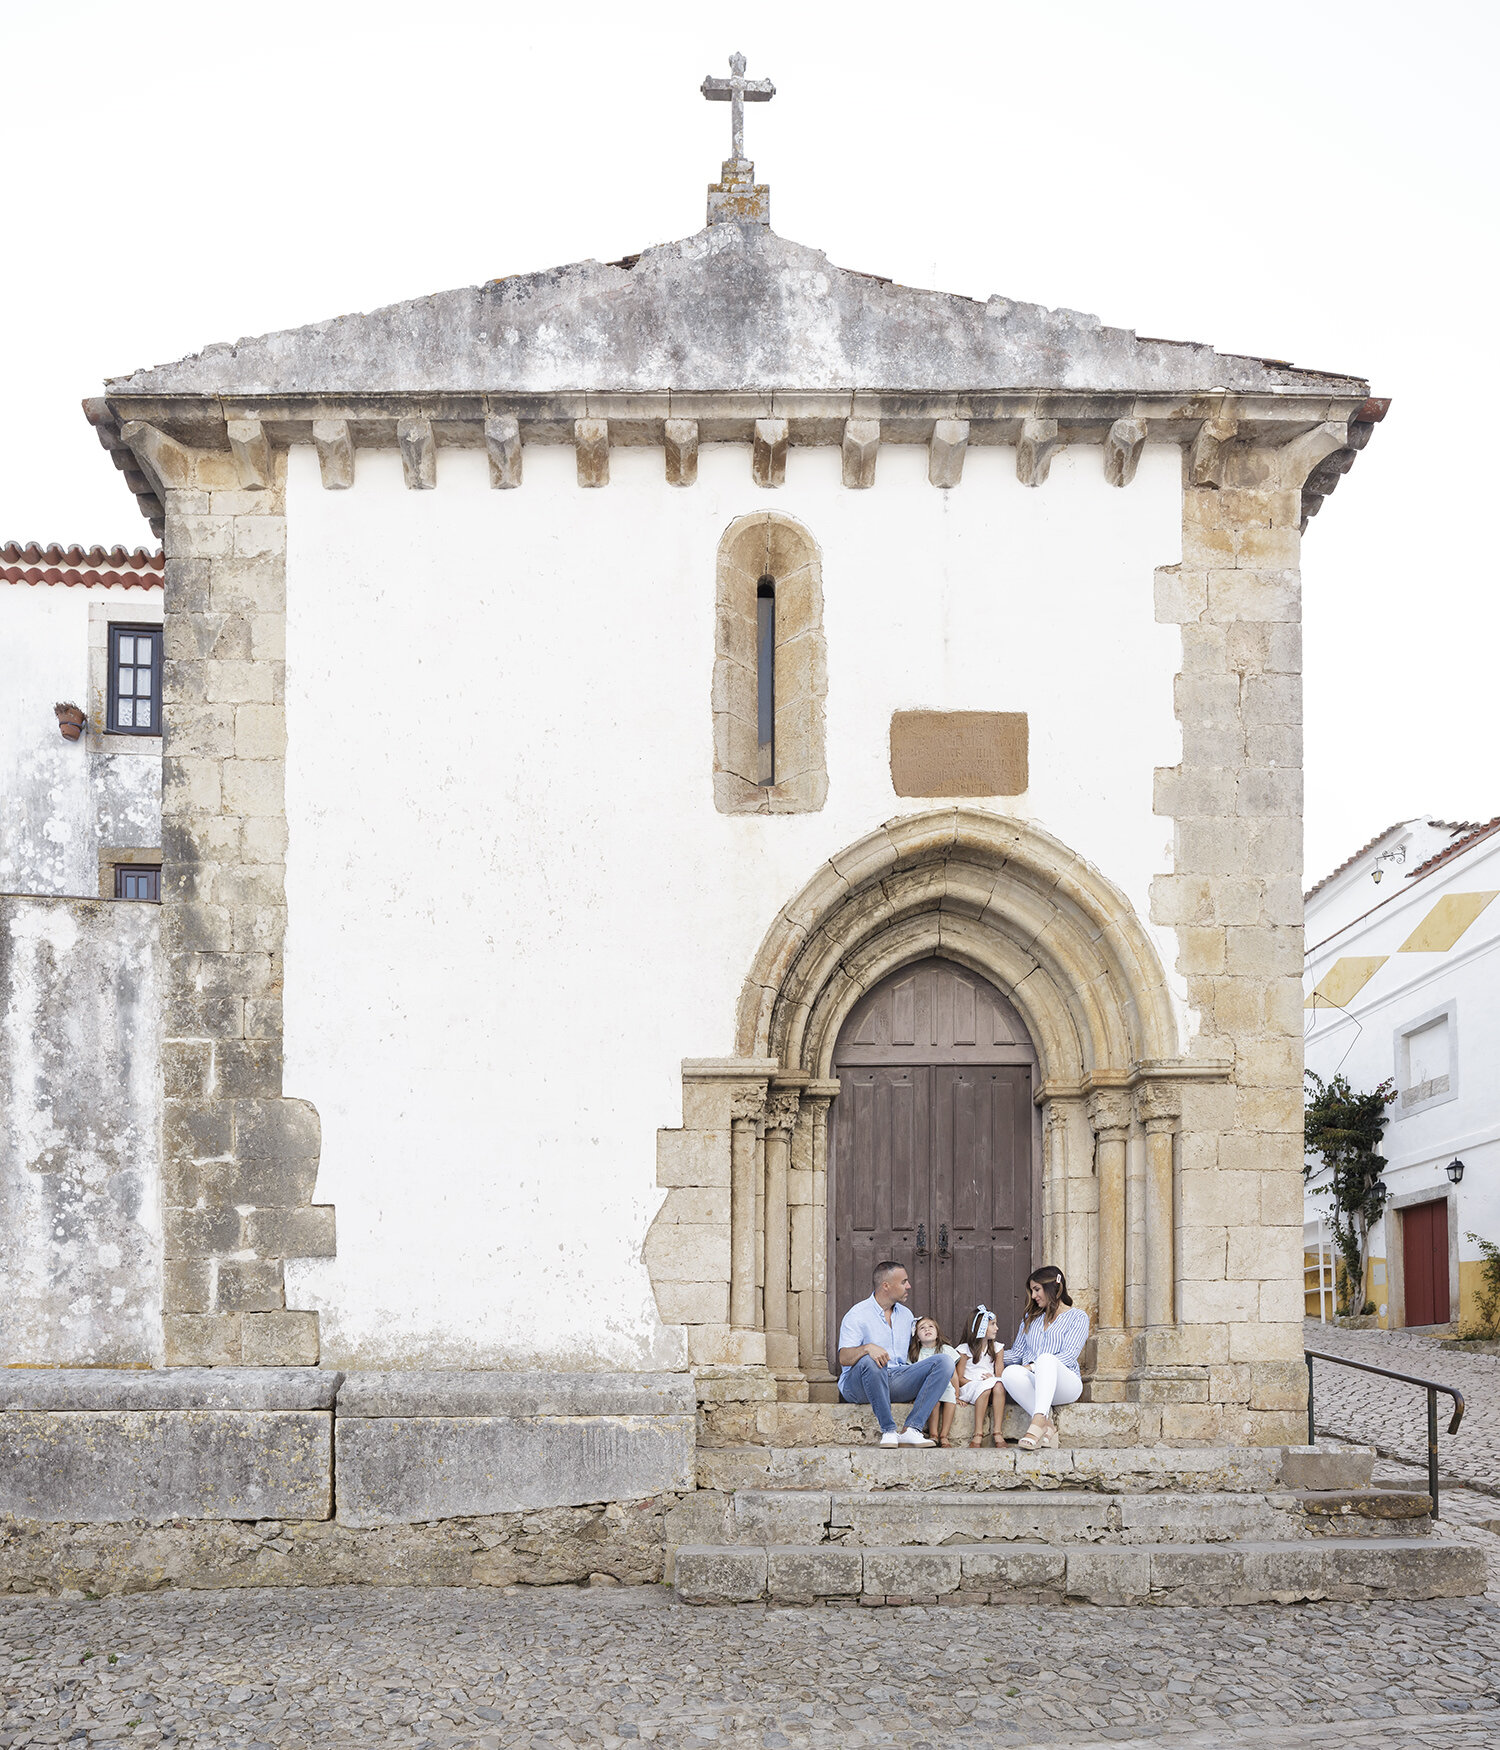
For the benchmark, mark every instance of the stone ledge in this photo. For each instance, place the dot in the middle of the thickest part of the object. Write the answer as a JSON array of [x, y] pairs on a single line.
[[1206, 1574], [387, 1396], [169, 1388], [108, 1466], [414, 1469]]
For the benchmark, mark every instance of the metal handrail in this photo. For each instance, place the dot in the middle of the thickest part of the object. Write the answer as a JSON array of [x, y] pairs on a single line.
[[1430, 1386]]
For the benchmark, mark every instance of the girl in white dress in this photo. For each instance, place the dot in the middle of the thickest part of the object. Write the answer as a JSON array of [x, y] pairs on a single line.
[[927, 1339], [977, 1381]]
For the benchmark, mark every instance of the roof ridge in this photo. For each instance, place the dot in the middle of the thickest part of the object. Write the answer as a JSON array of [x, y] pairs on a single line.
[[1477, 831]]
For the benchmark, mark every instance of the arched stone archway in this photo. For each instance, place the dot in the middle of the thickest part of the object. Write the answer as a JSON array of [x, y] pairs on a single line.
[[1065, 947]]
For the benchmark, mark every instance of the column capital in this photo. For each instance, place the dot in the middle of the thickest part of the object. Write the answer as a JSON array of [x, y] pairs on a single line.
[[1158, 1105], [1109, 1113], [747, 1105], [782, 1108]]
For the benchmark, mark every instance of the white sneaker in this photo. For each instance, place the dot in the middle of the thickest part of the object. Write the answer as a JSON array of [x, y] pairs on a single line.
[[912, 1437], [891, 1439]]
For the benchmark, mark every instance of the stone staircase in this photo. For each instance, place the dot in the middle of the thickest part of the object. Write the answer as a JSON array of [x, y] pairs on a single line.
[[799, 1506]]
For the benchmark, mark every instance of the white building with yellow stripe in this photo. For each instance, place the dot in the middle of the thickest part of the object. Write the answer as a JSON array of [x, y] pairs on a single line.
[[1403, 983]]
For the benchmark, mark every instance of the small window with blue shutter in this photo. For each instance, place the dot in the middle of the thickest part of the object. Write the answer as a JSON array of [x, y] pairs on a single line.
[[134, 680]]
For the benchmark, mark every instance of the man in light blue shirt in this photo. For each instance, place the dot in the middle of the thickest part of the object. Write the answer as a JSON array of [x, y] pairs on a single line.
[[874, 1342]]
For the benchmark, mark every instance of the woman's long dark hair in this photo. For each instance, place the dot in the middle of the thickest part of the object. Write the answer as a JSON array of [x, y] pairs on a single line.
[[914, 1348], [1055, 1285]]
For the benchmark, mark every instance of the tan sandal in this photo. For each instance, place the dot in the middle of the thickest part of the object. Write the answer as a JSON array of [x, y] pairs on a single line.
[[1050, 1437], [978, 1440], [1035, 1435]]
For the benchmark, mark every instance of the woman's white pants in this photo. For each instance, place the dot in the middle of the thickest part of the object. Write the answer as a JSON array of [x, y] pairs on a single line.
[[1038, 1387]]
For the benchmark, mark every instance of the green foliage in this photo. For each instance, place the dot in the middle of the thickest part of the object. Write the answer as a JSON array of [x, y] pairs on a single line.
[[1488, 1298], [1343, 1130]]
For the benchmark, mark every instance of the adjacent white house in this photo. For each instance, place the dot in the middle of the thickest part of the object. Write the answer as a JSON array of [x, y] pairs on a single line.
[[1403, 982], [80, 814]]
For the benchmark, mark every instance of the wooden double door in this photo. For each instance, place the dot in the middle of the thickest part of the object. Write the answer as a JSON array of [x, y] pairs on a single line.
[[933, 1147]]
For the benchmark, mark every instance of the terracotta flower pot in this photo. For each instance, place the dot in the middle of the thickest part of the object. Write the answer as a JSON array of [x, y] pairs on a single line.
[[69, 721]]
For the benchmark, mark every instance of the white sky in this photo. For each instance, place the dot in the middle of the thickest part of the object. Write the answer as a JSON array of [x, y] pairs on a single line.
[[1305, 179]]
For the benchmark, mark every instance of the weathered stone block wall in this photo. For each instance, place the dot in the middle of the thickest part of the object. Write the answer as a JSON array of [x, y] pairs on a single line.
[[80, 1116], [240, 1160], [1233, 1368]]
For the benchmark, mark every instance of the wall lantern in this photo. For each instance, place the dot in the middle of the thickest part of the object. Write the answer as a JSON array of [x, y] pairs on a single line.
[[1455, 1170], [1375, 875], [69, 721]]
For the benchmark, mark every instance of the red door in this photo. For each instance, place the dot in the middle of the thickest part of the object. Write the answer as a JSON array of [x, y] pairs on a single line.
[[1424, 1256]]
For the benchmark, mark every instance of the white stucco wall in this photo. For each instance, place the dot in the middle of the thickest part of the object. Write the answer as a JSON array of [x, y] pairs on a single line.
[[80, 1126], [513, 907], [1361, 1041], [61, 800]]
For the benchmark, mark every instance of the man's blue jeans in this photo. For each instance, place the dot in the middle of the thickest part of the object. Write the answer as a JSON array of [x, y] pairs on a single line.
[[920, 1384]]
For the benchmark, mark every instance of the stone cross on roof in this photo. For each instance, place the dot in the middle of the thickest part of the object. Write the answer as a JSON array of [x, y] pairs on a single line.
[[738, 197]]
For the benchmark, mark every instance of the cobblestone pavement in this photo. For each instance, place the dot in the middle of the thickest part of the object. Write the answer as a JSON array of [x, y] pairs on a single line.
[[1393, 1417], [476, 1670]]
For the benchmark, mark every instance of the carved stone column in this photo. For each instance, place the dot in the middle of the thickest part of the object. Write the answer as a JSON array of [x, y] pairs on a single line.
[[1109, 1113], [781, 1121], [744, 1137], [1158, 1106], [816, 1100]]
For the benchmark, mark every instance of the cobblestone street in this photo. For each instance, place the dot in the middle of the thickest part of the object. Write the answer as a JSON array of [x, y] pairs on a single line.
[[483, 1669], [1392, 1417]]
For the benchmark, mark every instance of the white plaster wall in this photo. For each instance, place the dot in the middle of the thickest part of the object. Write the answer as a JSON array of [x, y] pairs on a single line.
[[513, 907], [1362, 1042], [61, 800], [80, 1125]]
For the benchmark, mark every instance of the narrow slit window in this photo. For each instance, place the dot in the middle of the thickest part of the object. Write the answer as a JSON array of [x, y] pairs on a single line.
[[137, 881], [765, 678], [135, 680]]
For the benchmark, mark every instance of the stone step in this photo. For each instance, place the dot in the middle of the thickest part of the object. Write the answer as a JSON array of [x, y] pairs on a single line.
[[758, 1423], [1121, 1470], [1233, 1573], [877, 1519]]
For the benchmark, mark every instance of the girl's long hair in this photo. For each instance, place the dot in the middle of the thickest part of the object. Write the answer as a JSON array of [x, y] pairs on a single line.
[[1055, 1285], [914, 1348], [976, 1341]]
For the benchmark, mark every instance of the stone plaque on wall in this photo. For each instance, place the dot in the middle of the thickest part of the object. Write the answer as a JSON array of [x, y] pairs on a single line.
[[959, 753]]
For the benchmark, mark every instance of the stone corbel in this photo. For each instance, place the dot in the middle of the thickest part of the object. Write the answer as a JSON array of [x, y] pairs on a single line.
[[1122, 450], [335, 446], [1158, 1107], [1297, 459], [1206, 458], [163, 462], [1034, 452], [681, 439], [591, 448], [502, 442], [251, 452], [861, 447], [768, 460], [418, 453], [946, 450]]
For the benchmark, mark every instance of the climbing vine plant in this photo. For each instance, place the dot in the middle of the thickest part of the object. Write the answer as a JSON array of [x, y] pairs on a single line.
[[1343, 1131]]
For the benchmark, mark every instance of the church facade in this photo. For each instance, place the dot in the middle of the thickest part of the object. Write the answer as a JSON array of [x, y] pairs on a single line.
[[686, 776]]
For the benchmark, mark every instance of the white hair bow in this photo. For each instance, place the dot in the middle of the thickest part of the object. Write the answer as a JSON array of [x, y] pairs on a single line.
[[981, 1318]]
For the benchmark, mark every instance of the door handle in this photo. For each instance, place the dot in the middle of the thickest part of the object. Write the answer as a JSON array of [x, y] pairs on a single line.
[[921, 1238], [943, 1240]]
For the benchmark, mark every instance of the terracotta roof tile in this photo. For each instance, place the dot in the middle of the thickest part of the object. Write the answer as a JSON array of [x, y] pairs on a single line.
[[1333, 874], [1473, 832], [77, 567]]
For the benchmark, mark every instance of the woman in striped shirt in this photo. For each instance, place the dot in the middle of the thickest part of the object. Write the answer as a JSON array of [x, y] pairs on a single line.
[[1042, 1369]]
